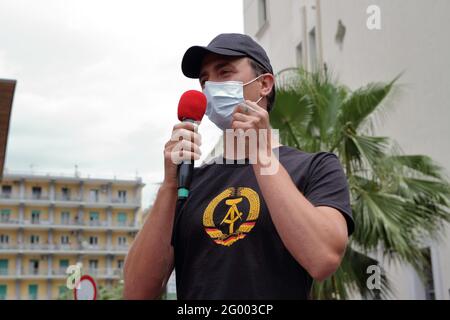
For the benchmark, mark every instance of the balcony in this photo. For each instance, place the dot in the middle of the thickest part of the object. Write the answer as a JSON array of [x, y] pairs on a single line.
[[67, 224], [119, 200], [71, 201], [34, 273], [8, 273], [68, 198], [104, 273], [9, 221], [62, 248], [59, 273]]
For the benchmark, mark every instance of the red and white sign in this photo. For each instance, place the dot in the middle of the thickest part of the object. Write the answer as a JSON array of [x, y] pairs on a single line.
[[87, 289]]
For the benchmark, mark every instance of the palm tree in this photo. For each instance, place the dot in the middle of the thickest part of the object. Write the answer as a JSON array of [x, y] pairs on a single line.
[[398, 201]]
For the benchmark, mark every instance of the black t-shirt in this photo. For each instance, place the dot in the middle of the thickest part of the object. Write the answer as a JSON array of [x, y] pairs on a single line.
[[225, 243]]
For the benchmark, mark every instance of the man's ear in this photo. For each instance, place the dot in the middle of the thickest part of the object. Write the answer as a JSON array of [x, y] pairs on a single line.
[[267, 84]]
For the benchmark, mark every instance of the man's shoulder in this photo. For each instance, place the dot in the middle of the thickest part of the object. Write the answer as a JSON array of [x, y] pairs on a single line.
[[311, 158]]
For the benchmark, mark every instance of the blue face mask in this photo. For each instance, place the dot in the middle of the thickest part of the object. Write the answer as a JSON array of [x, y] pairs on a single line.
[[222, 98]]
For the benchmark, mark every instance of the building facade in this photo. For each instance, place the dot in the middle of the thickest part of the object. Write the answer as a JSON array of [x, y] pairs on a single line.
[[362, 41], [7, 88], [48, 223]]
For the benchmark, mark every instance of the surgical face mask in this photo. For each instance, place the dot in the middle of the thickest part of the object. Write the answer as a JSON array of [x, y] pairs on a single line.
[[222, 98]]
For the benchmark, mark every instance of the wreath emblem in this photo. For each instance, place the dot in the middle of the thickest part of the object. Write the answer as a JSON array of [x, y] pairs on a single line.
[[233, 197]]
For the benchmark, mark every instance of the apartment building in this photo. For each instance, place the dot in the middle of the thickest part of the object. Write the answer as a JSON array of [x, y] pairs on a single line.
[[50, 222]]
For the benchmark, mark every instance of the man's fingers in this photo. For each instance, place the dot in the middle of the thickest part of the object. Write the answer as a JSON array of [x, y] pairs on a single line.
[[185, 134], [184, 155], [186, 125], [244, 109], [189, 146], [243, 117], [241, 125], [254, 106]]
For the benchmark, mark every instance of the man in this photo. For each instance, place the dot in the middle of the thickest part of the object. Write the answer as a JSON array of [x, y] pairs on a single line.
[[241, 234]]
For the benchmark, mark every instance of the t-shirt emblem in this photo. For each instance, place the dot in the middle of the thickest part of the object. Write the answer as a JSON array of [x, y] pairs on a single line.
[[234, 223]]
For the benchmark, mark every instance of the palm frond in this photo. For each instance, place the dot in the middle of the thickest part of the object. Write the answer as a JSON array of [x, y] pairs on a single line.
[[398, 201], [363, 102]]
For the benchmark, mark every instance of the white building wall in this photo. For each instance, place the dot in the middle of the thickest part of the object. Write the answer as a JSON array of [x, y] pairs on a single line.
[[414, 40]]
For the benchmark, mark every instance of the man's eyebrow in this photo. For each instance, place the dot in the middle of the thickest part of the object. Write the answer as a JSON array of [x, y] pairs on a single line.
[[217, 67]]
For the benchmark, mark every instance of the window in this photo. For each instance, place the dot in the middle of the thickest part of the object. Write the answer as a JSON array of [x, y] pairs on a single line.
[[122, 241], [262, 13], [4, 239], [93, 240], [34, 266], [65, 239], [33, 291], [6, 214], [36, 192], [65, 193], [35, 215], [65, 217], [63, 265], [120, 264], [122, 219], [93, 218], [93, 266], [3, 291], [6, 191], [312, 50], [3, 266], [93, 195], [299, 55], [122, 196], [34, 239]]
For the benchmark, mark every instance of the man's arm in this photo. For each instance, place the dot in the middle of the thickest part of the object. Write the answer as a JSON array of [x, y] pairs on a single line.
[[150, 260], [315, 236]]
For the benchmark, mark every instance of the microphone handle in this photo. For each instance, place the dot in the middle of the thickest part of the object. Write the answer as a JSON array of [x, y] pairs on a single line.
[[184, 175]]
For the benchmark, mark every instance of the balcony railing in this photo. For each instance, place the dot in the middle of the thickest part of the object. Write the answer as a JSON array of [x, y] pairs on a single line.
[[60, 272], [34, 272], [104, 272], [61, 197], [61, 247], [9, 221], [119, 200], [75, 199], [38, 197], [71, 223], [7, 272]]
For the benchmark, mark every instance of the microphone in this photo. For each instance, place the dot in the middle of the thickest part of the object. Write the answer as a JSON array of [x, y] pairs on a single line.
[[191, 108]]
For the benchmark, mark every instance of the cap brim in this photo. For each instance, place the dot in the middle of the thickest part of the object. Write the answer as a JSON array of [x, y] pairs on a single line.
[[193, 57]]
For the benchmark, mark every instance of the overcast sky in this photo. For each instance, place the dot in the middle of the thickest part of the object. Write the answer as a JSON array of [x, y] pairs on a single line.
[[99, 81]]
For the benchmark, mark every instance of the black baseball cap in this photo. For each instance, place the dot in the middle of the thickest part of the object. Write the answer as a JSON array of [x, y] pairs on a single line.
[[226, 44]]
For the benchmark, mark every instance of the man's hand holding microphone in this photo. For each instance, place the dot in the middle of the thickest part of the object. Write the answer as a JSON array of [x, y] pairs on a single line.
[[150, 260]]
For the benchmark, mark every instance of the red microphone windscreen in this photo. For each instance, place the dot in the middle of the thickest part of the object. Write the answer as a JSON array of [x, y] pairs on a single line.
[[192, 105]]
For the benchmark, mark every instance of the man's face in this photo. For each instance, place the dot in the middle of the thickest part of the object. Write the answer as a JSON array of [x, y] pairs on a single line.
[[223, 68]]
